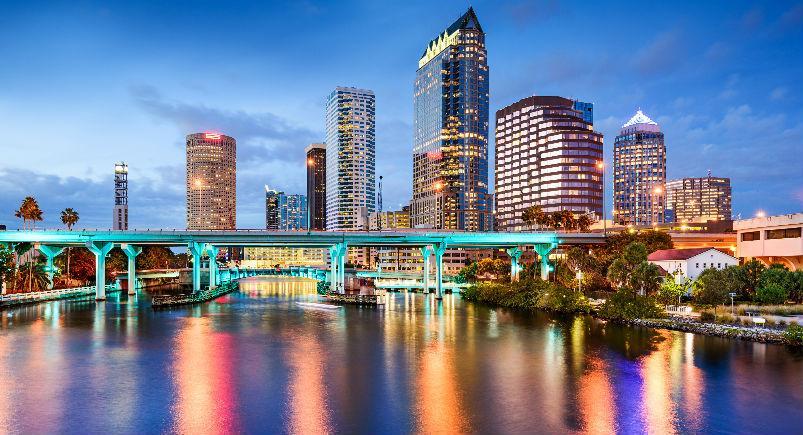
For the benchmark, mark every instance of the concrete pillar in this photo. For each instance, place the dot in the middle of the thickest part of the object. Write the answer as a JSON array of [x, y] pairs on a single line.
[[341, 268], [101, 250], [333, 275], [543, 250], [196, 250], [439, 251], [426, 252], [131, 253], [515, 267], [50, 253], [212, 251]]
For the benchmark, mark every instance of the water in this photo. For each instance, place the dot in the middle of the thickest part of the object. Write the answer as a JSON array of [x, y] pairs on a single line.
[[255, 361]]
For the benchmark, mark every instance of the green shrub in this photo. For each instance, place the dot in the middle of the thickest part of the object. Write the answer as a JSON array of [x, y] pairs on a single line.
[[624, 305], [527, 294], [707, 317], [794, 334], [772, 293]]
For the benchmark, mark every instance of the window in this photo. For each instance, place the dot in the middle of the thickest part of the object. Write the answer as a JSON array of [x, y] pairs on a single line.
[[750, 236], [787, 233], [697, 265]]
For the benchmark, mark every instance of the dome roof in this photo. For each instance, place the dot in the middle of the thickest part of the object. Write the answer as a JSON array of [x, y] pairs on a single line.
[[639, 118]]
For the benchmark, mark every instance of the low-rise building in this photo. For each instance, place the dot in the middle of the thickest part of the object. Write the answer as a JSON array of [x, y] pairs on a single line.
[[771, 239], [690, 263]]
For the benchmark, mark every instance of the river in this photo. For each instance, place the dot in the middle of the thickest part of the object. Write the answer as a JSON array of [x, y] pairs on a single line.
[[256, 361]]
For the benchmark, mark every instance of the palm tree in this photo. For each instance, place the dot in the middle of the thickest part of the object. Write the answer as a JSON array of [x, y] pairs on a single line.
[[37, 276], [69, 217], [584, 222], [533, 215], [29, 211]]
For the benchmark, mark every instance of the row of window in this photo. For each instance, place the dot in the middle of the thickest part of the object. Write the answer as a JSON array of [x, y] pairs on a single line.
[[785, 233]]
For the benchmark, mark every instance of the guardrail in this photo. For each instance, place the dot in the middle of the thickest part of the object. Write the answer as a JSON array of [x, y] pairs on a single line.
[[51, 295]]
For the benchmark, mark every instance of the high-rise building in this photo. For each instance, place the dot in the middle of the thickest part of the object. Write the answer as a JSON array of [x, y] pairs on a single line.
[[698, 199], [272, 200], [450, 137], [120, 214], [211, 182], [316, 185], [350, 158], [547, 154], [285, 212], [639, 172], [384, 220]]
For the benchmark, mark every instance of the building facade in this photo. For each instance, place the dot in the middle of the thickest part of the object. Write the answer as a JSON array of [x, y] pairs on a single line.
[[771, 239], [547, 154], [272, 221], [385, 220], [316, 185], [120, 213], [450, 138], [698, 199], [211, 182], [267, 257], [350, 158], [690, 263], [285, 212], [639, 172]]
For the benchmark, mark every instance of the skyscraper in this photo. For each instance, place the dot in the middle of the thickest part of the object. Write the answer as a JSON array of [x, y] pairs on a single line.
[[639, 172], [450, 138], [547, 154], [272, 200], [350, 158], [120, 214], [698, 199], [211, 182], [285, 212], [316, 185]]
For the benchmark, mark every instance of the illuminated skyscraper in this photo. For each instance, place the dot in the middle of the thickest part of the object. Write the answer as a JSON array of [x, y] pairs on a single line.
[[698, 199], [285, 212], [450, 137], [272, 199], [316, 185], [639, 172], [350, 158], [547, 154], [211, 182], [120, 217]]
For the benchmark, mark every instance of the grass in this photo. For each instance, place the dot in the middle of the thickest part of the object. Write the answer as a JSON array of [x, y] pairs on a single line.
[[778, 310]]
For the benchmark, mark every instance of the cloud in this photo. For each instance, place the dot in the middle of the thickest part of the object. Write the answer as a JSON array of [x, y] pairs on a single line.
[[778, 93], [663, 54]]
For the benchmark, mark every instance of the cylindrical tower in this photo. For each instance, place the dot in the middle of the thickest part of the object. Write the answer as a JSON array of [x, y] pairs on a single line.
[[211, 182]]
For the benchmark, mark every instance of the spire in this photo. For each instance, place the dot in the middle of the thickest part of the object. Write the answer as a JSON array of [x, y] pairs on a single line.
[[639, 118]]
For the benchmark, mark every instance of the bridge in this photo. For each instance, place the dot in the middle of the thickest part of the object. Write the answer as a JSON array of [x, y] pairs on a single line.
[[51, 243]]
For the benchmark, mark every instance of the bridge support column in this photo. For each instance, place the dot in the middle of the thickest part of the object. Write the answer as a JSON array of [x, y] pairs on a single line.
[[515, 267], [196, 250], [212, 251], [131, 253], [337, 255], [543, 251], [426, 252], [101, 250], [50, 253], [439, 251]]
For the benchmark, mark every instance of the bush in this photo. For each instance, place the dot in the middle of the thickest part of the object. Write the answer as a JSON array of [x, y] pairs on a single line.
[[772, 293], [624, 305], [794, 334], [707, 316], [527, 294]]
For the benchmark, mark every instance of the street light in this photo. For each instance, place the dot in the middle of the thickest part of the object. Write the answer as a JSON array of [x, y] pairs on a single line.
[[731, 295]]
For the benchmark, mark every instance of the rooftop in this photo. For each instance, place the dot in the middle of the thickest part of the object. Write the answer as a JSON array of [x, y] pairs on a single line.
[[639, 118], [680, 254]]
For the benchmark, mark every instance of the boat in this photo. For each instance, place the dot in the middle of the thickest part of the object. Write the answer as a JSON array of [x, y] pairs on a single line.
[[318, 306]]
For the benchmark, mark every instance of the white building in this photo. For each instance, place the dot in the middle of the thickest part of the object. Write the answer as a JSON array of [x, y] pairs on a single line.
[[690, 263], [350, 159], [771, 239]]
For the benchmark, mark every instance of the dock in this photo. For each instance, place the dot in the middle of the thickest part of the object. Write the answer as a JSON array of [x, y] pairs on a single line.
[[355, 299], [166, 301]]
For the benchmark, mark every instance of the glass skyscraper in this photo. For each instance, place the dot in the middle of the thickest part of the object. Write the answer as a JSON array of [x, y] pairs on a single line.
[[698, 199], [350, 158], [316, 185], [285, 212], [639, 172], [450, 140]]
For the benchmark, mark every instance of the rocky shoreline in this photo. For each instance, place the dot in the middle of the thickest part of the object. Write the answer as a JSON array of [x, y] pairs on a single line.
[[675, 323]]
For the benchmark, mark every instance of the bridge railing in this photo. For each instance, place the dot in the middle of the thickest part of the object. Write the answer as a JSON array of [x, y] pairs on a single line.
[[53, 294]]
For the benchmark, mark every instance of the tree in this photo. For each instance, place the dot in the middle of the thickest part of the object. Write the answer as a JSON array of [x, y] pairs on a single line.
[[710, 289], [772, 293], [584, 222], [670, 291], [646, 278], [34, 276], [467, 273], [69, 218], [7, 266], [533, 215], [29, 211], [796, 292], [155, 257], [751, 275]]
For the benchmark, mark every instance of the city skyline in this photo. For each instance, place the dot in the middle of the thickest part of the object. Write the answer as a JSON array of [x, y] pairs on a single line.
[[719, 108]]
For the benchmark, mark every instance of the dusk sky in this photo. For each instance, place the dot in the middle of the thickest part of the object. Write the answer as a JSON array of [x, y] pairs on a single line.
[[84, 84]]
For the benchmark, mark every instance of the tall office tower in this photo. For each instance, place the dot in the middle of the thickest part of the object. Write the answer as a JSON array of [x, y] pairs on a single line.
[[292, 212], [547, 154], [698, 199], [639, 172], [450, 137], [272, 206], [211, 182], [316, 185], [120, 214], [350, 158]]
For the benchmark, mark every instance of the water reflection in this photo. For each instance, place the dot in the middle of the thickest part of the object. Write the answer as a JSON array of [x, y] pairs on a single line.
[[255, 361]]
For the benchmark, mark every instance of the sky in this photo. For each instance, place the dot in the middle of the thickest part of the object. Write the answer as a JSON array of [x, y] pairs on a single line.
[[84, 84]]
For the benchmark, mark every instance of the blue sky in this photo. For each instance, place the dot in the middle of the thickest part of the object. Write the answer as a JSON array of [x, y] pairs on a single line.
[[84, 84]]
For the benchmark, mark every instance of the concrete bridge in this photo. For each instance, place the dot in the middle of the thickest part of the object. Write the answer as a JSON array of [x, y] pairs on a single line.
[[208, 243]]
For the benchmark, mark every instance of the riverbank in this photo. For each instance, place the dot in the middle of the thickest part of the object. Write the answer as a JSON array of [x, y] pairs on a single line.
[[544, 296]]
